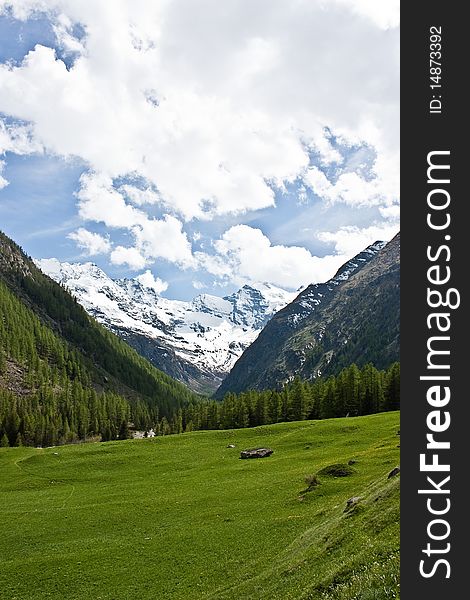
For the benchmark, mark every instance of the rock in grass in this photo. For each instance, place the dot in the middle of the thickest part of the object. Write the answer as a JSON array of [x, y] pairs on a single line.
[[256, 453], [394, 472], [230, 445], [351, 503]]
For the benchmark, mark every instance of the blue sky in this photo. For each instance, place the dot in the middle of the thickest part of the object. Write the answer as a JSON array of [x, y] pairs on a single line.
[[146, 150]]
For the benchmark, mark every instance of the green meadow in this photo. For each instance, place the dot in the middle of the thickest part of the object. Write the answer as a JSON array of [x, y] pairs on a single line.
[[182, 517]]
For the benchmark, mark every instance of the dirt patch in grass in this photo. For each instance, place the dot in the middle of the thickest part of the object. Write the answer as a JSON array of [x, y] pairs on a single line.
[[337, 470]]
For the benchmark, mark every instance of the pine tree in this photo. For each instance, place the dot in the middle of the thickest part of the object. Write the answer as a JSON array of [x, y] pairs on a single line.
[[328, 407], [261, 409], [392, 388], [165, 428], [298, 401], [371, 390], [275, 407], [352, 389], [241, 414], [124, 433], [177, 422]]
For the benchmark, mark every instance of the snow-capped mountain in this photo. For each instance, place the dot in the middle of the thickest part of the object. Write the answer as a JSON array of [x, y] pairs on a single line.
[[197, 342]]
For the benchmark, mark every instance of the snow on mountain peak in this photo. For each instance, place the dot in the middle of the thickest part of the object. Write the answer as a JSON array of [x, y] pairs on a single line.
[[208, 332]]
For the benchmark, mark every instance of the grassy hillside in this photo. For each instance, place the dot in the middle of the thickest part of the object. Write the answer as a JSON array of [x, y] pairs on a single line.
[[182, 517]]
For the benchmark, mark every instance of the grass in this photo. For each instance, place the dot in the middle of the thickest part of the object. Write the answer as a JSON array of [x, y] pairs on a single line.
[[182, 517]]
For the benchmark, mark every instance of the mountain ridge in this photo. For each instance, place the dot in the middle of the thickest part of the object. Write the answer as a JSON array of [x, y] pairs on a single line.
[[328, 325], [196, 342]]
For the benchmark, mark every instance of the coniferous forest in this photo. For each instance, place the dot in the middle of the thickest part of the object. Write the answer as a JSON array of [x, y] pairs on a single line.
[[353, 392]]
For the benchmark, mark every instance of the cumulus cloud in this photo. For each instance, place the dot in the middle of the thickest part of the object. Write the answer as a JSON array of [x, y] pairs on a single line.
[[18, 138], [245, 253], [91, 243], [129, 257], [139, 196], [149, 280], [200, 110], [214, 104], [350, 188], [349, 241], [164, 238], [100, 202], [154, 238]]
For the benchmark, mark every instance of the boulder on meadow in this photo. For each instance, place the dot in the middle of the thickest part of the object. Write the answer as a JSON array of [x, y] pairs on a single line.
[[351, 503], [256, 453]]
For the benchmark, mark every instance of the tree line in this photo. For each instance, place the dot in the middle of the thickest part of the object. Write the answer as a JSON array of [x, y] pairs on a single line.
[[353, 392]]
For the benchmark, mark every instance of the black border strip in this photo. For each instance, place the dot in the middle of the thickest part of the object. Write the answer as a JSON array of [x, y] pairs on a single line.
[[423, 132]]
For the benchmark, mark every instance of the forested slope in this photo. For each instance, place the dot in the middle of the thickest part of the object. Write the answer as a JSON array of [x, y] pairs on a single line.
[[62, 375]]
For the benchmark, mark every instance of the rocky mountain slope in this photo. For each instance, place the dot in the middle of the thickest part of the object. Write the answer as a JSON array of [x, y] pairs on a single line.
[[353, 317], [196, 342]]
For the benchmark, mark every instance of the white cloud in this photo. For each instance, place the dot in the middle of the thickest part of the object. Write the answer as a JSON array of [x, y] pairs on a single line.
[[128, 256], [385, 13], [91, 243], [390, 212], [349, 188], [148, 280], [100, 202], [245, 253], [349, 241], [17, 138], [140, 196], [202, 109], [63, 29], [164, 238], [3, 181], [154, 238], [212, 103]]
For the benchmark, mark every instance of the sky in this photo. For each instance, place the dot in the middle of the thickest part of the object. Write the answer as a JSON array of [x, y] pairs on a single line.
[[199, 144]]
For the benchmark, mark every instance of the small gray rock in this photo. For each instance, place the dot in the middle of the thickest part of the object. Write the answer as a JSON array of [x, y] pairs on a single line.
[[351, 502], [256, 453], [230, 445]]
